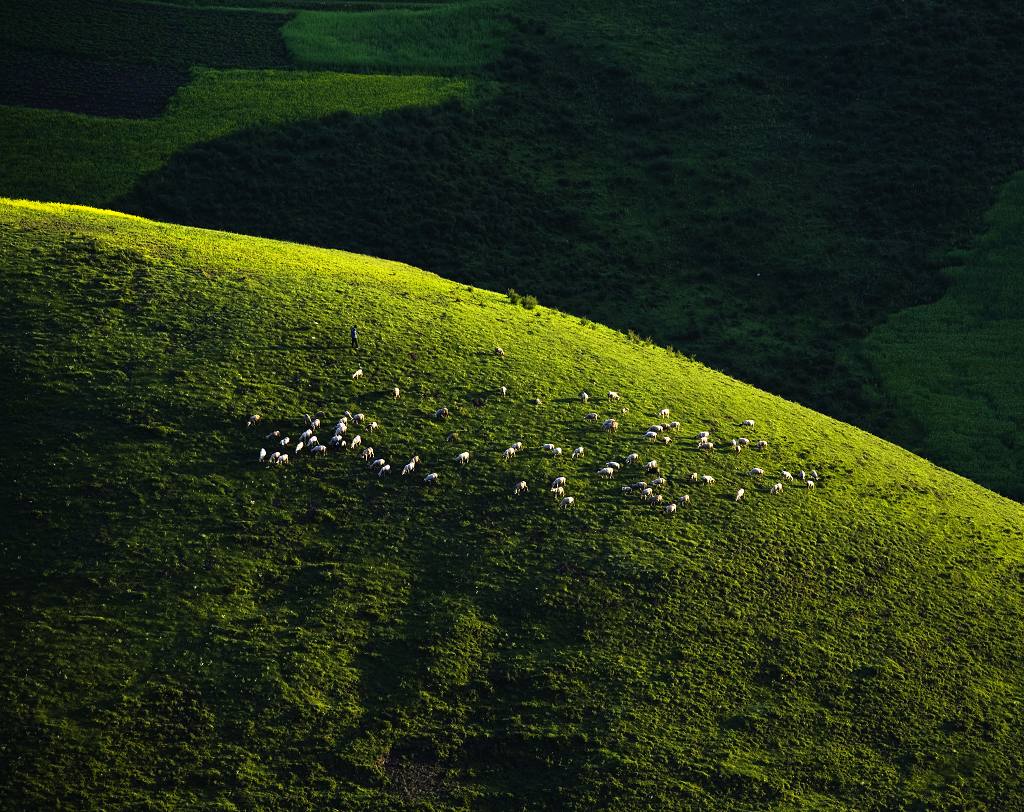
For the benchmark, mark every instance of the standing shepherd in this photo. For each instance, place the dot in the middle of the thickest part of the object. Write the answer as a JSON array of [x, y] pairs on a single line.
[[355, 337]]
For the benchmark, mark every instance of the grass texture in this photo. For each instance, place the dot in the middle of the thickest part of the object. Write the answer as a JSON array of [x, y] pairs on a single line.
[[444, 38], [954, 367], [101, 158], [187, 628]]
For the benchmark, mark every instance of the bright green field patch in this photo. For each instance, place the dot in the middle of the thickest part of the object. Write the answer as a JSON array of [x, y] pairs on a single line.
[[451, 38], [52, 155], [185, 628], [955, 368]]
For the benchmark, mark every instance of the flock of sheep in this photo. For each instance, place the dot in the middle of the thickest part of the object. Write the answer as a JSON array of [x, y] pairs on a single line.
[[344, 437]]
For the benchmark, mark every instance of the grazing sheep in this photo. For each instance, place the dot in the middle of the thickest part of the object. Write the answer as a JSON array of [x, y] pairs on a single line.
[[707, 479], [664, 413], [336, 442], [384, 471], [518, 445], [656, 428], [694, 477], [558, 493], [646, 493], [606, 473], [396, 393], [613, 396], [367, 453], [504, 391], [567, 502], [410, 466], [520, 488], [306, 434], [755, 472], [315, 424], [374, 425], [253, 420], [558, 482], [431, 479], [743, 441], [614, 465], [462, 458], [705, 445], [632, 458], [441, 413], [651, 435], [651, 466], [747, 423], [760, 445], [357, 374], [665, 440], [508, 453], [674, 424], [638, 486], [377, 463], [263, 454], [801, 475], [282, 460], [684, 499], [451, 437], [584, 396], [356, 442], [578, 452], [358, 418], [313, 440], [499, 352], [810, 484], [814, 474], [704, 435], [670, 507], [273, 435], [626, 489], [590, 416], [320, 449], [557, 452], [786, 475], [739, 495], [548, 447], [285, 441], [660, 482], [776, 488], [299, 447], [611, 425], [273, 457]]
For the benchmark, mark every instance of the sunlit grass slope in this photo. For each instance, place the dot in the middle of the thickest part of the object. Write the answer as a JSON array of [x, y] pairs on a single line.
[[55, 154], [185, 628], [955, 368]]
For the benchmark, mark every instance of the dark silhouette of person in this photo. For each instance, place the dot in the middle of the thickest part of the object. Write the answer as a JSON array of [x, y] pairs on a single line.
[[355, 337]]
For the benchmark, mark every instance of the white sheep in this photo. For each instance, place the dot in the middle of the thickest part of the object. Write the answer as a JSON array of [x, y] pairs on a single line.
[[670, 507], [409, 468], [707, 479], [380, 462], [638, 486], [253, 420], [656, 428], [504, 391], [556, 452], [606, 473], [810, 484], [660, 482], [776, 488], [626, 489], [614, 465], [384, 471], [613, 396], [357, 374], [549, 447], [285, 441], [760, 445], [646, 493], [299, 446], [674, 424], [664, 413], [590, 416], [282, 460], [508, 453], [694, 476], [578, 452], [462, 458], [273, 435], [705, 445], [337, 442], [567, 502], [665, 440], [651, 466], [313, 440], [611, 425], [273, 457], [755, 472], [520, 487], [684, 499], [786, 475], [704, 435], [558, 482], [263, 454], [632, 458], [651, 435], [499, 352], [747, 423], [518, 445], [743, 441], [305, 434], [356, 442], [584, 396], [739, 495], [558, 493], [319, 449], [315, 423], [358, 418], [431, 479], [367, 453], [373, 426], [396, 393]]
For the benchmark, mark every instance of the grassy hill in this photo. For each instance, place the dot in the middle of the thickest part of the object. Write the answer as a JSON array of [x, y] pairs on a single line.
[[185, 627]]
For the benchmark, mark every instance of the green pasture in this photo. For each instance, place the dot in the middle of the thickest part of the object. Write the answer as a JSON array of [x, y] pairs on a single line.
[[53, 155], [185, 627], [954, 368], [452, 37]]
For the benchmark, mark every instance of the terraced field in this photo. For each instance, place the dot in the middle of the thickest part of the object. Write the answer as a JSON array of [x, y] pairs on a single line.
[[190, 627]]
